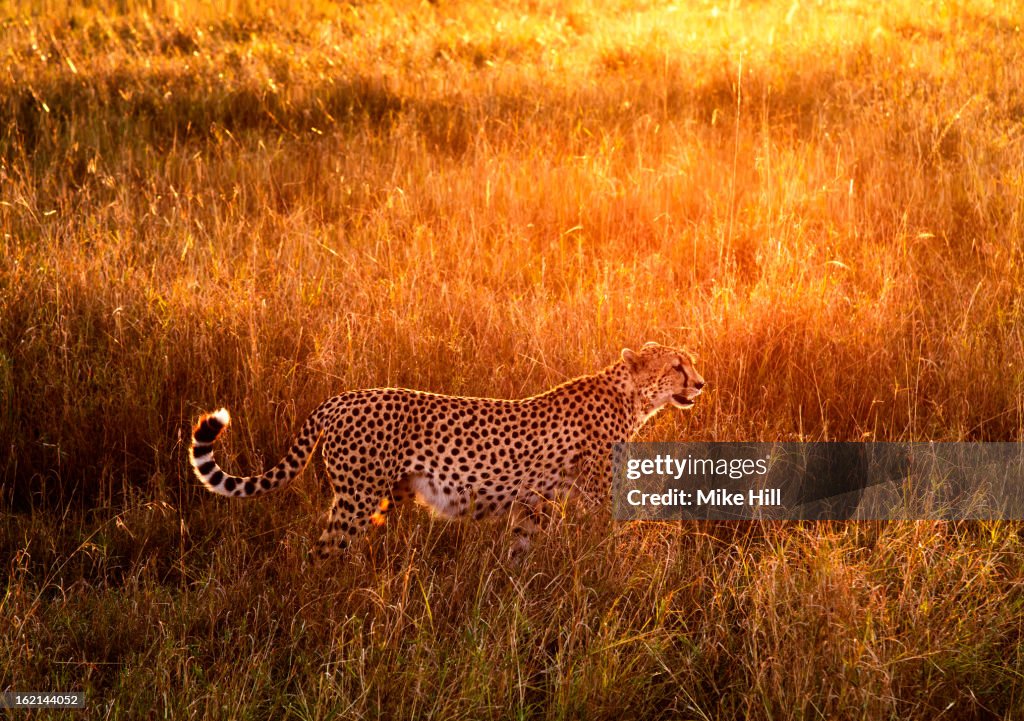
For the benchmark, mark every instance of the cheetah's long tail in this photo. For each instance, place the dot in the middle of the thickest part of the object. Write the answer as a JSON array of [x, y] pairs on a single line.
[[216, 480]]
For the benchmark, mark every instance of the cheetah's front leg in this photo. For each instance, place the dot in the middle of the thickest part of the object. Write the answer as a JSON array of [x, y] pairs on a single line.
[[528, 517]]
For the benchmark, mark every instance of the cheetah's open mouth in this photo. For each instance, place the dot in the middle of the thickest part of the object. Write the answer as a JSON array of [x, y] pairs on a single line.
[[682, 401]]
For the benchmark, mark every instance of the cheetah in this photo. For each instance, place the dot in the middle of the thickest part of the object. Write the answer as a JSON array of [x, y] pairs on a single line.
[[466, 457]]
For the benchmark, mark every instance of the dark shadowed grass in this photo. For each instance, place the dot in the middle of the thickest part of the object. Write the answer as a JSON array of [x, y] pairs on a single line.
[[261, 205], [221, 619]]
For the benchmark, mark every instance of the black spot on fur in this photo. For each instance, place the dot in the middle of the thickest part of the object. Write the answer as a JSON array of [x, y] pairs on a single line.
[[206, 467], [207, 430], [229, 484], [216, 478]]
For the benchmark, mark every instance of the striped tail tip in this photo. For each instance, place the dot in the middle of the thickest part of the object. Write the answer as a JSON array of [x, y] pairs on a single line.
[[205, 432], [210, 426]]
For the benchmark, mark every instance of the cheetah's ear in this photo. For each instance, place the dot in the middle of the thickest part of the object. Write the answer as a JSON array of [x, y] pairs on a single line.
[[649, 343], [630, 358]]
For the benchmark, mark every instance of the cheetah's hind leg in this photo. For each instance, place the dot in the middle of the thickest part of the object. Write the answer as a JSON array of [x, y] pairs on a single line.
[[350, 516]]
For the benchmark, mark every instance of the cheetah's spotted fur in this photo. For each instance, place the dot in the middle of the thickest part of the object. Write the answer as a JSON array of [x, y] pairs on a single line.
[[474, 457]]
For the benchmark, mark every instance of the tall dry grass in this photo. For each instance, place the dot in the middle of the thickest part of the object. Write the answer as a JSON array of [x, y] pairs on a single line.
[[260, 204]]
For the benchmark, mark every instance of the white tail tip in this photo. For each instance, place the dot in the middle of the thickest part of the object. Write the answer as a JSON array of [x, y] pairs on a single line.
[[222, 415]]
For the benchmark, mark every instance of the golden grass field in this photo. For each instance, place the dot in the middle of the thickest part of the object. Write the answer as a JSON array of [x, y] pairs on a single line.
[[260, 204]]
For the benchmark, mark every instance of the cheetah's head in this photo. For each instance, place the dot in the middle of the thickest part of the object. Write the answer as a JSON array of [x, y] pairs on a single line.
[[664, 376]]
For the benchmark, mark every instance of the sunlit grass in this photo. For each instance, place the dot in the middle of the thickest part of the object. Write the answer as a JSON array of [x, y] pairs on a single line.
[[260, 204]]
